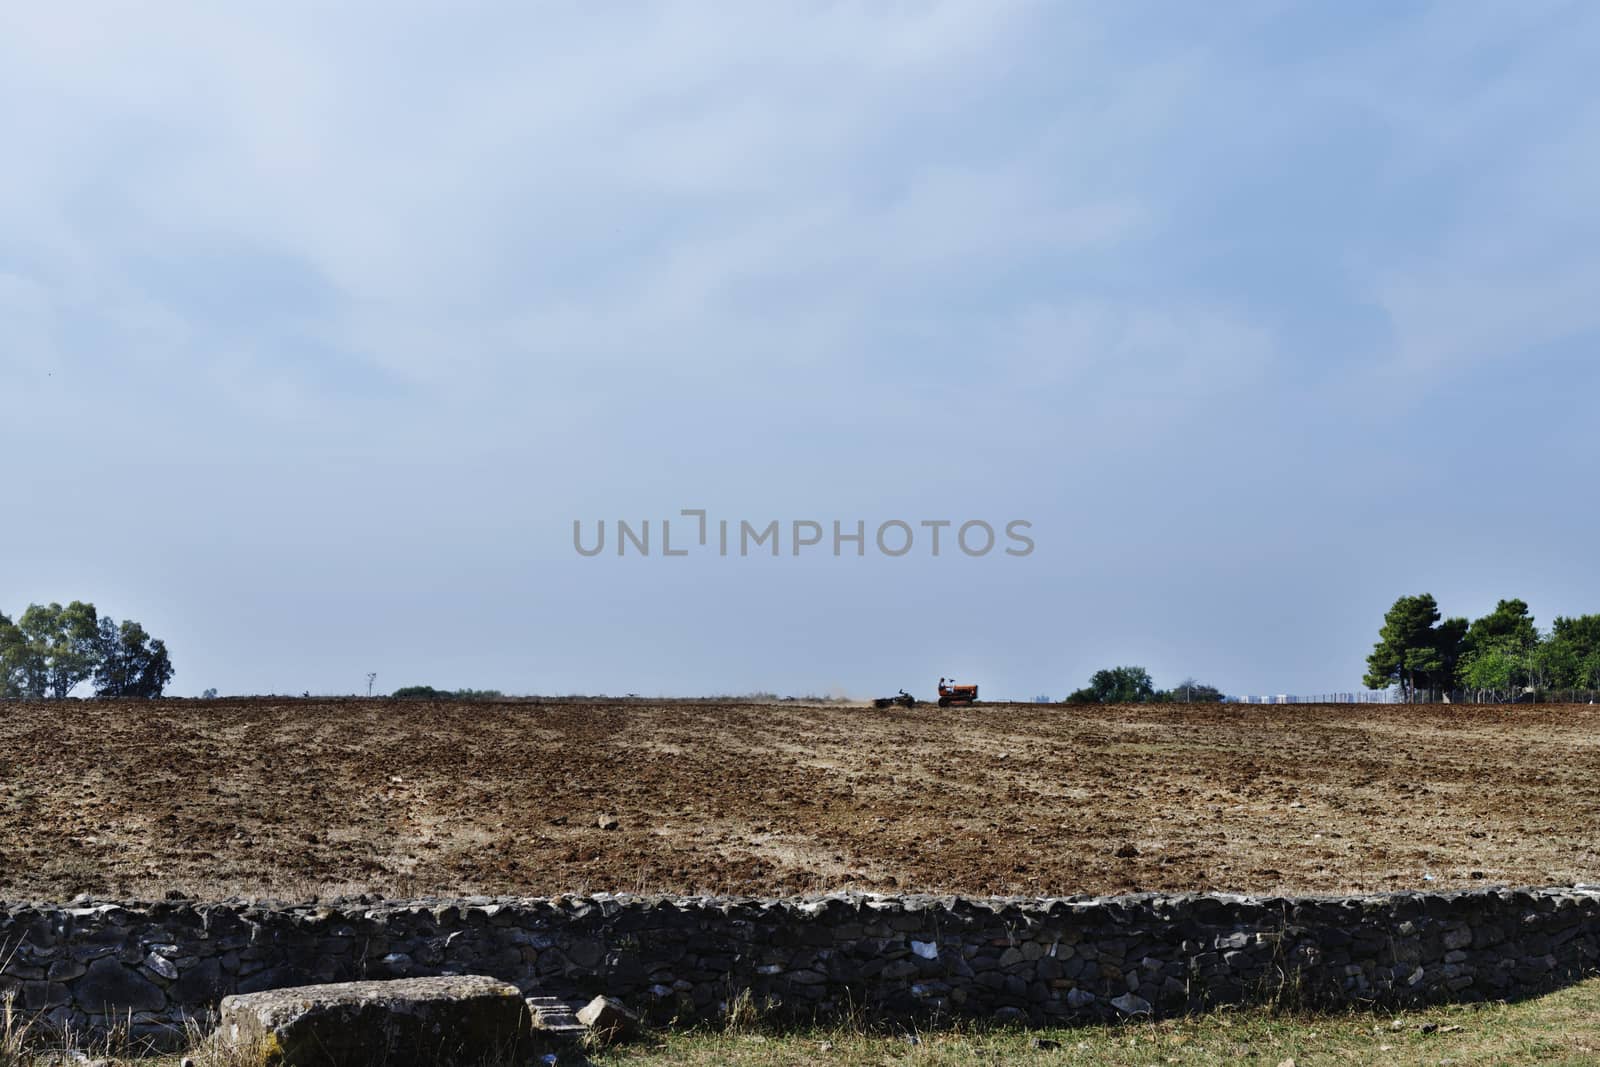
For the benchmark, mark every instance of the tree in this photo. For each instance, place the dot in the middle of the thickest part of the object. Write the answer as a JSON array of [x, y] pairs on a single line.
[[1508, 625], [1413, 650], [428, 692], [1582, 632], [131, 663], [1191, 691], [1501, 651], [1553, 665], [1589, 671], [61, 648], [1116, 685], [1571, 653], [421, 692], [1451, 643], [50, 650], [14, 674], [23, 665], [1498, 667]]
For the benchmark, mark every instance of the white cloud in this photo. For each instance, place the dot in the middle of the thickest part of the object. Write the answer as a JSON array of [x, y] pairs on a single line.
[[1148, 356], [497, 196], [28, 350], [415, 167], [1494, 150]]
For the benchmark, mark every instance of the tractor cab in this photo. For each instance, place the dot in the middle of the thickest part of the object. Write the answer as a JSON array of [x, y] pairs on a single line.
[[952, 694]]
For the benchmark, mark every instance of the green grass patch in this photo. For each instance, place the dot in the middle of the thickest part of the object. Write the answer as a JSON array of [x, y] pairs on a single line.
[[1560, 1028]]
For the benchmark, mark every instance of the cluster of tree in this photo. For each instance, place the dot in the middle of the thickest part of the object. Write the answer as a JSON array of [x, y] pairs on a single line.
[[428, 692], [50, 650], [1499, 655], [1132, 685]]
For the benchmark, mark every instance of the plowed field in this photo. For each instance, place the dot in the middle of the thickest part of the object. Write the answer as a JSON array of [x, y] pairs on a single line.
[[289, 799]]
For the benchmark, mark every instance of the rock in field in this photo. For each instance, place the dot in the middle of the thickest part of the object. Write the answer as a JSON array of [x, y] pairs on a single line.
[[1131, 1004], [409, 1021], [556, 1019], [608, 1019]]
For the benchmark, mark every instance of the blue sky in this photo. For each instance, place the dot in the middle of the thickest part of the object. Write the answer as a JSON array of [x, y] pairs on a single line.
[[318, 330]]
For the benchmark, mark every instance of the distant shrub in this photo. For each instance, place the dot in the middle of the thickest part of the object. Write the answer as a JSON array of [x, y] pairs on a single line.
[[428, 692], [1191, 691]]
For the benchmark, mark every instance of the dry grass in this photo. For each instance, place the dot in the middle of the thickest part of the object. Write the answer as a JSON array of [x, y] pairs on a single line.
[[15, 1031], [1561, 1028]]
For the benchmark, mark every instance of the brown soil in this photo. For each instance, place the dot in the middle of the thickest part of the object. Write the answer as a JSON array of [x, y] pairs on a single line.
[[288, 799]]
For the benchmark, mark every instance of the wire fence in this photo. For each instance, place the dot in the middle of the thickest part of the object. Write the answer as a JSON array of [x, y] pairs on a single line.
[[1368, 696], [1454, 696]]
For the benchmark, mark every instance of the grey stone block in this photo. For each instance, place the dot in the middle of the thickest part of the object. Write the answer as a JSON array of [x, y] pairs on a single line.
[[409, 1022]]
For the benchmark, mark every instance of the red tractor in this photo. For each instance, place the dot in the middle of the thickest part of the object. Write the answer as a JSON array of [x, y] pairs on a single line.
[[956, 695]]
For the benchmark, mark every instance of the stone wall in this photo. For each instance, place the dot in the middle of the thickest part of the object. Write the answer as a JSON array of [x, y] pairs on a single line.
[[95, 966]]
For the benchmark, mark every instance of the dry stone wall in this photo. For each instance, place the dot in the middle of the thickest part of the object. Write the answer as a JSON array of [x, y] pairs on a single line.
[[152, 966]]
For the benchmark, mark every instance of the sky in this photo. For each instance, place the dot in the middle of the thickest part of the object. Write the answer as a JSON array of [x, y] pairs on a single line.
[[320, 329]]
